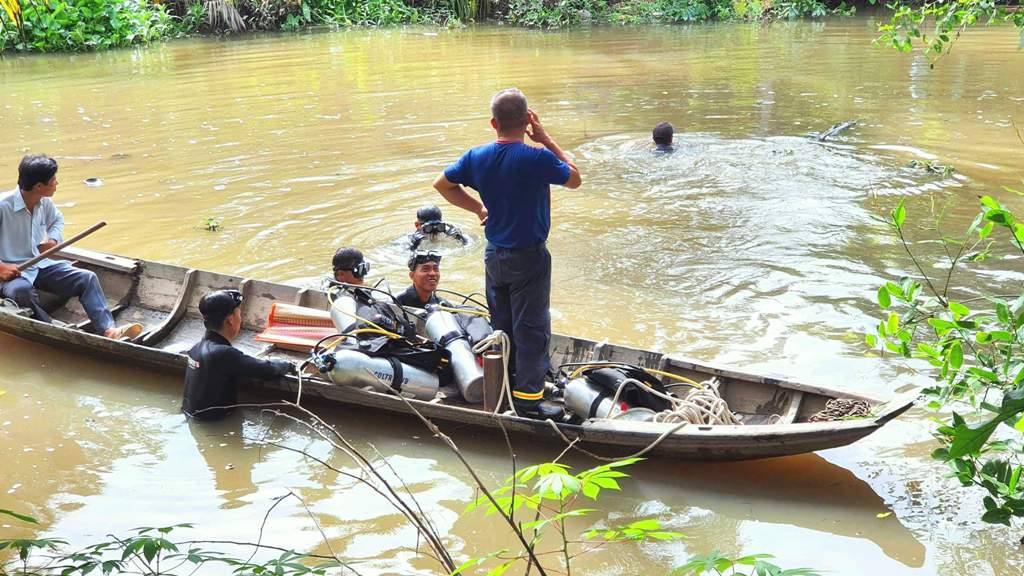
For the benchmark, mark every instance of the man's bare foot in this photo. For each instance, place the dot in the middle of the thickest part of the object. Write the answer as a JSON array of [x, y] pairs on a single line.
[[128, 331]]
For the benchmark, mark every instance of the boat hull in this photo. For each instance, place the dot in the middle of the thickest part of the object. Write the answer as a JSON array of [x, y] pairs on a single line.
[[601, 437]]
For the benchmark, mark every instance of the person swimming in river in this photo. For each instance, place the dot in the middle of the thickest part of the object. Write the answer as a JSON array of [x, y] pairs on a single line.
[[430, 225], [662, 135]]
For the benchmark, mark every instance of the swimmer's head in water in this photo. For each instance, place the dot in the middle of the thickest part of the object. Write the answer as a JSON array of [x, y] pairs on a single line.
[[428, 214], [509, 110], [663, 133]]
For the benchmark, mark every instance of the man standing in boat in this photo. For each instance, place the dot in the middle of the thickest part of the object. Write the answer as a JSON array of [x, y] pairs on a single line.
[[513, 180], [30, 224], [214, 365]]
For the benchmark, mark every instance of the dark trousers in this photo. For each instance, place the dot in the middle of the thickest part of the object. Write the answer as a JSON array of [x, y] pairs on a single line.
[[518, 286], [65, 280]]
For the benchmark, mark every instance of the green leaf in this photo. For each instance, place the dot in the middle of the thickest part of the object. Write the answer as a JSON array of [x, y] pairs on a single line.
[[970, 440], [1014, 479], [149, 550], [997, 516], [991, 203], [1003, 312], [21, 517], [899, 214], [871, 340], [956, 356], [893, 323], [940, 325], [958, 309], [884, 300], [1002, 217]]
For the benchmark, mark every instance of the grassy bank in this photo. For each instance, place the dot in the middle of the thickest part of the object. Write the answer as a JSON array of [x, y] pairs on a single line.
[[56, 25]]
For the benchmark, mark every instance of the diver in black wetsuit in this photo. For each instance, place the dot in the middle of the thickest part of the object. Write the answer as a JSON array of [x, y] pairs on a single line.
[[425, 273], [214, 365], [431, 225]]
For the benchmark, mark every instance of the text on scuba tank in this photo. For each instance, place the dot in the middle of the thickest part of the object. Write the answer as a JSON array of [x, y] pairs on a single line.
[[388, 377]]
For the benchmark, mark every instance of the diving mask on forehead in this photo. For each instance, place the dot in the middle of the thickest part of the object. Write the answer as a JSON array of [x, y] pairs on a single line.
[[421, 257]]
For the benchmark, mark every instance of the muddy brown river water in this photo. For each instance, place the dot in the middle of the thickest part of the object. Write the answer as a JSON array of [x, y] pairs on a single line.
[[751, 245]]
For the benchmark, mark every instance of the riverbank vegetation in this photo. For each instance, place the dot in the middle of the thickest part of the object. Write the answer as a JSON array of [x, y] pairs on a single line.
[[54, 25], [70, 25], [975, 342]]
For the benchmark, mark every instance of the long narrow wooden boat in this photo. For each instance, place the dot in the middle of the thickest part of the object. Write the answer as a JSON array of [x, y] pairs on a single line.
[[164, 298]]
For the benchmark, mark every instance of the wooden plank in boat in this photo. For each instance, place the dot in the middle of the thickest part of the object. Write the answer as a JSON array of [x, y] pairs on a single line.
[[117, 263]]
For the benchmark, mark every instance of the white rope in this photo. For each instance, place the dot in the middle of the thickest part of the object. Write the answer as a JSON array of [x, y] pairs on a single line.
[[500, 339], [700, 406], [298, 374]]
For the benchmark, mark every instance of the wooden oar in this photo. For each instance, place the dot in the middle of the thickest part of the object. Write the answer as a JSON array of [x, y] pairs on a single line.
[[29, 263]]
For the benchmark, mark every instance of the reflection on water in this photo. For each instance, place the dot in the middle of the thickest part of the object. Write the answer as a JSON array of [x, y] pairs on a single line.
[[752, 244]]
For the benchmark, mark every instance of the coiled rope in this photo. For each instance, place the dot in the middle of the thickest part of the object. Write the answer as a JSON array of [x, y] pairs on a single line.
[[838, 408], [501, 340], [702, 405]]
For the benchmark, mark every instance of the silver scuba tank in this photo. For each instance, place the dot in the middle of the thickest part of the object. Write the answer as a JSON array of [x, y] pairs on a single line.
[[350, 368], [443, 328], [588, 400], [343, 311]]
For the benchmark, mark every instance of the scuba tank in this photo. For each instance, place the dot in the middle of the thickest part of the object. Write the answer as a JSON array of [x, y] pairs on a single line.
[[343, 311], [590, 395], [348, 303], [442, 328], [588, 400], [349, 368]]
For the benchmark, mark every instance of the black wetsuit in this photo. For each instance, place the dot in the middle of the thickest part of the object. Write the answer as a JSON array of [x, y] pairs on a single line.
[[214, 365], [410, 298], [449, 231]]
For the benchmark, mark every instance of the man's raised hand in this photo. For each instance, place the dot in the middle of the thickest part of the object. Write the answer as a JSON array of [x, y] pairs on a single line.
[[535, 129]]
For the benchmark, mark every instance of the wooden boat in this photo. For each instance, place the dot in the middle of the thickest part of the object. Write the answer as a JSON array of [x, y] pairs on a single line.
[[164, 298]]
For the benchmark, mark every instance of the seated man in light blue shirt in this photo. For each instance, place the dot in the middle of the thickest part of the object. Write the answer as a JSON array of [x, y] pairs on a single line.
[[30, 223]]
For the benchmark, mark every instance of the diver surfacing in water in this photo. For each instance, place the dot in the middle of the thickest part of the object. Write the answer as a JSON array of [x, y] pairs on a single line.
[[430, 225]]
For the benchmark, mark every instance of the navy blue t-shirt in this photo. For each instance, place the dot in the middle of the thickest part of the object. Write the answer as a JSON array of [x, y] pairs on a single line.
[[514, 181]]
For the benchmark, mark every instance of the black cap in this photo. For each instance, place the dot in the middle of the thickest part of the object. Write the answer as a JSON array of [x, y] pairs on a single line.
[[420, 257], [429, 213], [217, 305], [346, 258]]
